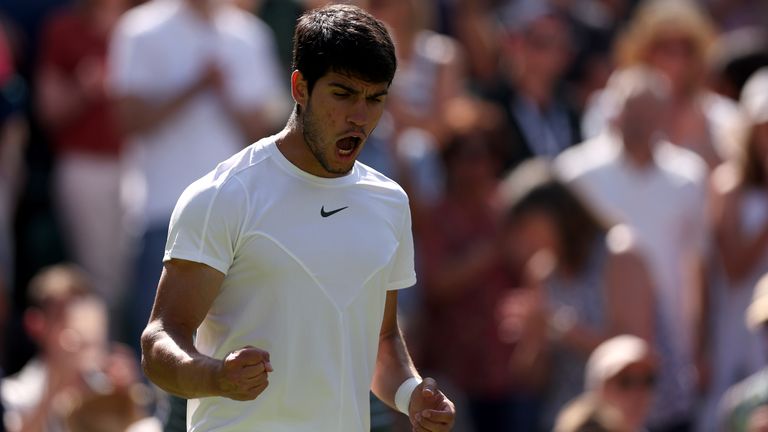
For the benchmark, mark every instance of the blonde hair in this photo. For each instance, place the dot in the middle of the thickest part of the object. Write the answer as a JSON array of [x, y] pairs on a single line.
[[655, 19]]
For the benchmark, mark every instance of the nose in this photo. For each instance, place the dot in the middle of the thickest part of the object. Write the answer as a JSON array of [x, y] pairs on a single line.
[[359, 114]]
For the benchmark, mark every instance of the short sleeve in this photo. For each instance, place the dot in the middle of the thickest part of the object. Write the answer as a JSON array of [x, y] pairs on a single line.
[[205, 225], [403, 273], [130, 55]]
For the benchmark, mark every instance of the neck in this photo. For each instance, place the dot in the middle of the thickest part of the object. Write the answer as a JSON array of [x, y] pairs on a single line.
[[640, 152], [535, 89], [203, 8]]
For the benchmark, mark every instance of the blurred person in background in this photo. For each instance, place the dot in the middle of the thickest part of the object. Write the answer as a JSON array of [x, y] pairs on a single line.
[[588, 414], [621, 373], [631, 175], [406, 144], [742, 408], [536, 52], [13, 134], [464, 279], [77, 382], [741, 228], [737, 55], [194, 81], [74, 107], [584, 283], [675, 38]]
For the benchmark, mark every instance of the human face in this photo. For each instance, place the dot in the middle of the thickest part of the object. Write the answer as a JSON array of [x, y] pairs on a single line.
[[631, 392], [336, 119], [529, 234]]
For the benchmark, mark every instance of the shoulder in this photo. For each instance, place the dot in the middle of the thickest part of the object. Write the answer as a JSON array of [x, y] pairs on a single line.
[[370, 178], [225, 183], [243, 26], [586, 158], [681, 164], [146, 19]]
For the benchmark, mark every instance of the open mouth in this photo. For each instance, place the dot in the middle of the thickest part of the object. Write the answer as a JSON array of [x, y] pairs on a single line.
[[347, 145]]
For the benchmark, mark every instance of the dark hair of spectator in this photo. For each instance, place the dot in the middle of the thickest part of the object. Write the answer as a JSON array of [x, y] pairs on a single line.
[[343, 39], [533, 189]]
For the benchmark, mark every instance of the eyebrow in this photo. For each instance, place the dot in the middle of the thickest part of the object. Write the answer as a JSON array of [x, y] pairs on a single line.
[[354, 92]]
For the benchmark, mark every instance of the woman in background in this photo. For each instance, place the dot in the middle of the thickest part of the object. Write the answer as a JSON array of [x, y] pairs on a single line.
[[584, 283]]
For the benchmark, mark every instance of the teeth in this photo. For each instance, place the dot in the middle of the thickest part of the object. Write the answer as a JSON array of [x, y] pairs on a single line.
[[346, 152]]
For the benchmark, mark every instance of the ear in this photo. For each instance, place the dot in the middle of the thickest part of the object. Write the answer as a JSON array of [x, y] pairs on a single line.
[[299, 88]]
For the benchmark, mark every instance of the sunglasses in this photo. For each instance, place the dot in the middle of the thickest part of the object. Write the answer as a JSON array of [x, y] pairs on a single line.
[[636, 381]]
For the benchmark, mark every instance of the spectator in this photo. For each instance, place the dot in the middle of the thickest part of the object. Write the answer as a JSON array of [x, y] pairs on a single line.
[[73, 106], [407, 143], [588, 414], [536, 53], [76, 382], [743, 406], [630, 175], [675, 38], [621, 373], [464, 279], [741, 231], [194, 80], [585, 283]]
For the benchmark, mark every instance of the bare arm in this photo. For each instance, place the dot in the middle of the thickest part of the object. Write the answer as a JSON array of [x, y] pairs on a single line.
[[393, 363], [429, 409], [739, 251], [629, 296], [169, 358]]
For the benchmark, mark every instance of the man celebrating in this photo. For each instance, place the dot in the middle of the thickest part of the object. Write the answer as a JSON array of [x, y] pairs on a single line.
[[290, 254]]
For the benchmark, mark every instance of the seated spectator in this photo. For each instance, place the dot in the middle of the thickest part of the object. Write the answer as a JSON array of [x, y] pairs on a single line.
[[742, 408], [621, 373], [587, 414], [586, 283], [76, 382]]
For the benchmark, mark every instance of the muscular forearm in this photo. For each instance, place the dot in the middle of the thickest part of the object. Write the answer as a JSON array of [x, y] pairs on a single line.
[[393, 367], [171, 361]]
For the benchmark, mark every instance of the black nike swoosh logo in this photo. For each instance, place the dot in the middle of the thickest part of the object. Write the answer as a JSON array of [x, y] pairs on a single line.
[[324, 213]]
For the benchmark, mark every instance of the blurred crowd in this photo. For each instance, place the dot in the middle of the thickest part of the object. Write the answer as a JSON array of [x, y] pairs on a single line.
[[588, 182]]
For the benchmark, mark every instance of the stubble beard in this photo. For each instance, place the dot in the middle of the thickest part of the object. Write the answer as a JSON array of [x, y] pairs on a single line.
[[311, 133]]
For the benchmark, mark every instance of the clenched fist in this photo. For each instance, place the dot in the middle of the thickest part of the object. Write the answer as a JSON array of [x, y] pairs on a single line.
[[243, 374]]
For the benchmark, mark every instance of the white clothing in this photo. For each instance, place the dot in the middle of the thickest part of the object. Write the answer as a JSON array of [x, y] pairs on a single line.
[[22, 392], [737, 352], [308, 289], [87, 190], [666, 204], [162, 47]]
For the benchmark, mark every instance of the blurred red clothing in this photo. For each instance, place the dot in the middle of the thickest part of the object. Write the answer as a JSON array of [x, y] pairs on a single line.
[[461, 330], [73, 47]]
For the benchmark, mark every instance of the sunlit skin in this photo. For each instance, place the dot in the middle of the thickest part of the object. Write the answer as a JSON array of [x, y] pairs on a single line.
[[339, 107]]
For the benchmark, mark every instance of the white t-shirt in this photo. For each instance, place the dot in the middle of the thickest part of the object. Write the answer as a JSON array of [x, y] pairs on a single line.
[[310, 289], [162, 47]]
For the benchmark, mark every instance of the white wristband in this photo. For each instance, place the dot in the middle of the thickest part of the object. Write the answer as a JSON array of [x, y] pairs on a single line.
[[404, 392]]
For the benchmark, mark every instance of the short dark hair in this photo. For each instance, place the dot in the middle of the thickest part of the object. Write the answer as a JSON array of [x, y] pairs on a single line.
[[343, 39]]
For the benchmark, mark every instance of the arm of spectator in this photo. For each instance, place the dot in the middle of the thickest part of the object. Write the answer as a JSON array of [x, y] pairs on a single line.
[[59, 99], [452, 273], [138, 115], [739, 251], [630, 300], [169, 358]]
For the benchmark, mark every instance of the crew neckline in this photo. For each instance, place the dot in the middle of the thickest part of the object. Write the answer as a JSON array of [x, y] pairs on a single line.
[[295, 171]]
